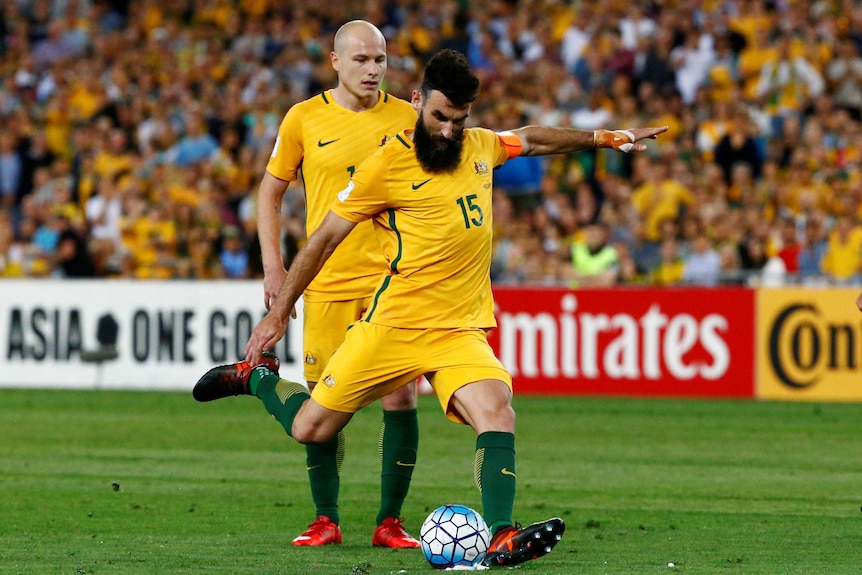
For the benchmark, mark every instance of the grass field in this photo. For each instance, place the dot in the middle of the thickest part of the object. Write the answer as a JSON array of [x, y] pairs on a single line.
[[153, 483]]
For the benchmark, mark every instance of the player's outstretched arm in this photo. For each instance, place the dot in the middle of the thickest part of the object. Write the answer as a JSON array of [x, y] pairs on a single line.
[[269, 196], [308, 262], [544, 140]]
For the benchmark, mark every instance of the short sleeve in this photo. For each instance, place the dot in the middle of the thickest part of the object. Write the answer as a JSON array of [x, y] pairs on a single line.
[[288, 150]]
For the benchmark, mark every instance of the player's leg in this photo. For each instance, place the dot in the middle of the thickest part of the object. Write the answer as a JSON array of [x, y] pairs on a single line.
[[323, 465], [485, 405], [370, 364], [399, 442], [324, 326], [475, 389]]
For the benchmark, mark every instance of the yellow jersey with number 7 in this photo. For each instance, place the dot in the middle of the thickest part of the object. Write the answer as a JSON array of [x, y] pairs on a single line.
[[323, 143]]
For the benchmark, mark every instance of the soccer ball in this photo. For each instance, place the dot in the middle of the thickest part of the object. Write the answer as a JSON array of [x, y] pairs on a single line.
[[454, 535]]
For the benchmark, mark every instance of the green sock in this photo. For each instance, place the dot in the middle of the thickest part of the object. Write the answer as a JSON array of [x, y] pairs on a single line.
[[323, 462], [281, 398], [399, 441], [495, 477]]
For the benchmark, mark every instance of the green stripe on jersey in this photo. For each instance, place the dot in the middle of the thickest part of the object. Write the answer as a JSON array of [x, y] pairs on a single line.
[[382, 289], [394, 265]]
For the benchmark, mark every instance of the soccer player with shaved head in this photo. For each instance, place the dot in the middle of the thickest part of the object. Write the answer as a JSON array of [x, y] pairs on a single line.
[[322, 140]]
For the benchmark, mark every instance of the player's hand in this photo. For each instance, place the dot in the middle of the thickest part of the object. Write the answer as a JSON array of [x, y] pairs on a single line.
[[265, 335], [627, 140], [271, 284]]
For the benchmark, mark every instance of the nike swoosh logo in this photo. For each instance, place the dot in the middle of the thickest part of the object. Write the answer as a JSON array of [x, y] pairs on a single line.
[[505, 471], [402, 464], [417, 186], [321, 143], [312, 467]]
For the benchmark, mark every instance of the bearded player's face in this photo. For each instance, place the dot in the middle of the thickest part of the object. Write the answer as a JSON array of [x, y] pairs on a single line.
[[439, 134]]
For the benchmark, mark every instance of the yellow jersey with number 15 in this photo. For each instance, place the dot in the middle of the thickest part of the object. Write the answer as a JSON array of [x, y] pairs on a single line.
[[324, 143], [435, 230]]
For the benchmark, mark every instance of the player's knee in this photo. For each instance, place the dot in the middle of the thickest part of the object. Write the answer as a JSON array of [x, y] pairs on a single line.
[[401, 399], [493, 416], [312, 433], [503, 418]]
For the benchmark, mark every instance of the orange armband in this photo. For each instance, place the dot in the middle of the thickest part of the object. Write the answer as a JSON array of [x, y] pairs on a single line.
[[512, 143]]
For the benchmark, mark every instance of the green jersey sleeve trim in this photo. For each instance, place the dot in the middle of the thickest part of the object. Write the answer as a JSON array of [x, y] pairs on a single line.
[[400, 139]]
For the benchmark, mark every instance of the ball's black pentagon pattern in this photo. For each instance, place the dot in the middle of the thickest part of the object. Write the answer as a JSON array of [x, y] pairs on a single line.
[[454, 535]]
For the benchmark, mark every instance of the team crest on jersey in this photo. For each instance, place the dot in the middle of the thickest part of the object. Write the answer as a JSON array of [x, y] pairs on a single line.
[[385, 139], [481, 168], [310, 359], [328, 381]]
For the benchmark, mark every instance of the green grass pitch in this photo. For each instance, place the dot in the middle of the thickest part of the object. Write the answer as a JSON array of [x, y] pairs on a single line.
[[153, 483]]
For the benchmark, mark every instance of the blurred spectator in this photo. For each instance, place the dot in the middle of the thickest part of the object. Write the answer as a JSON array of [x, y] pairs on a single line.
[[635, 26], [11, 170], [659, 198], [844, 77], [812, 251], [738, 145], [842, 262], [723, 75], [653, 65], [595, 263], [576, 39], [595, 113], [521, 179], [753, 57], [702, 267], [670, 269], [104, 211], [196, 144], [691, 62], [73, 257], [36, 154], [787, 84], [60, 44], [790, 246], [113, 155], [233, 256], [752, 256]]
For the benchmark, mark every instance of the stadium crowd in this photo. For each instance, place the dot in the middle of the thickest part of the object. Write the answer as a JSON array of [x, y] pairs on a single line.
[[134, 133]]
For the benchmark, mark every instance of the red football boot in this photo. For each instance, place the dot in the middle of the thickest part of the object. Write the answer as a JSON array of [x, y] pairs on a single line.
[[322, 531]]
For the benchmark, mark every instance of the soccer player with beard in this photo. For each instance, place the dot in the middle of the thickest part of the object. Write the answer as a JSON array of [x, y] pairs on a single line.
[[428, 193], [322, 140]]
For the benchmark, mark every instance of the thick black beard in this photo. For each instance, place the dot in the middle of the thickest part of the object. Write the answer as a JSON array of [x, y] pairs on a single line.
[[437, 154]]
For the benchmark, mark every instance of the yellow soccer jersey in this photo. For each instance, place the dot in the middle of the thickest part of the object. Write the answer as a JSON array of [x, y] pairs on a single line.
[[435, 230], [323, 143]]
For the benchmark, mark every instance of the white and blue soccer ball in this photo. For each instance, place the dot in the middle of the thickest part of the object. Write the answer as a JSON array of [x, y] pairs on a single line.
[[454, 535]]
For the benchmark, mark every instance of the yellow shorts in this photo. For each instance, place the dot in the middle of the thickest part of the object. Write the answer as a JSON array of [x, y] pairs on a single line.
[[325, 324], [375, 360]]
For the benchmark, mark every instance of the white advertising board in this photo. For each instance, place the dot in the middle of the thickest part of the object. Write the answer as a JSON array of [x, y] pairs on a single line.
[[168, 332]]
